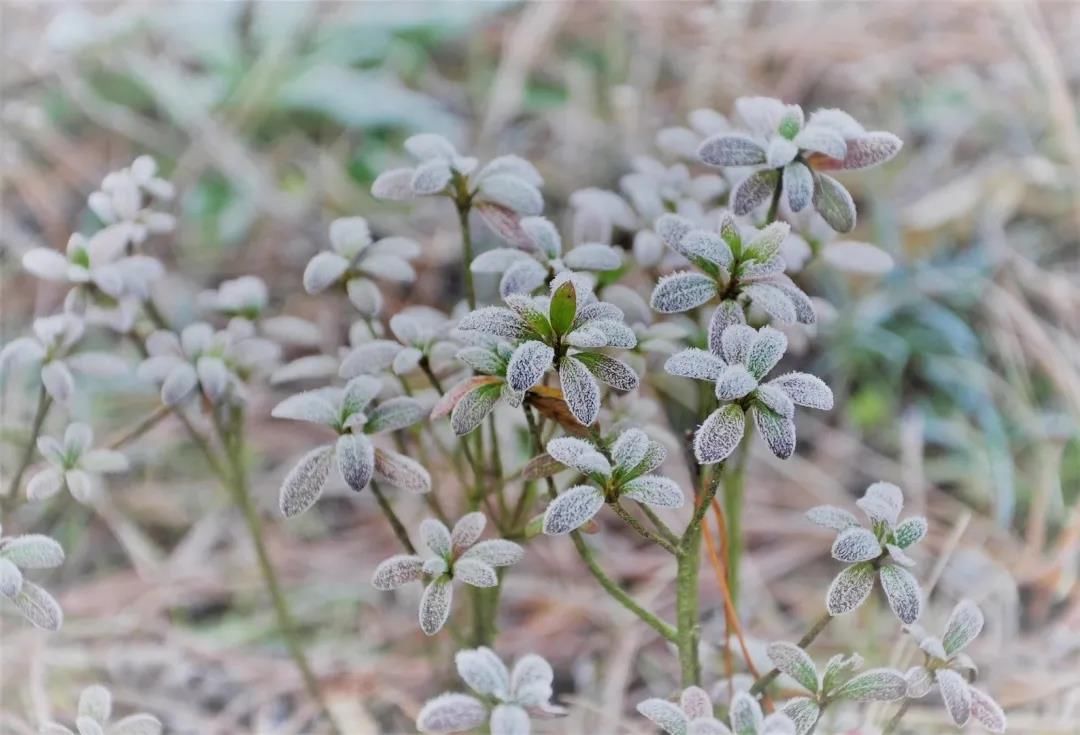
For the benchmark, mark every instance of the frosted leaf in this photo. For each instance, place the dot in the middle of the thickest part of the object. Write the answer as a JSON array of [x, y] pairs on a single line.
[[857, 257], [775, 400], [95, 702], [513, 193], [708, 246], [425, 146], [11, 578], [821, 139], [349, 236], [38, 607], [765, 351], [436, 536], [32, 551], [323, 270], [671, 228], [580, 391], [839, 669], [745, 714], [964, 625], [735, 342], [213, 377], [777, 431], [139, 724], [482, 360], [393, 185], [435, 566], [98, 364], [798, 185], [431, 177], [522, 277], [731, 150], [683, 291], [475, 572], [44, 484], [834, 203], [365, 296], [804, 307], [496, 552], [903, 592], [648, 249], [805, 390], [629, 449], [727, 314], [869, 150], [503, 222], [572, 509], [718, 436], [509, 719], [530, 681], [356, 460], [773, 301], [765, 245], [653, 458], [830, 516], [654, 490], [451, 713], [20, 351], [435, 605], [899, 556], [695, 703], [495, 320], [882, 501], [513, 165], [778, 723], [401, 471], [753, 191], [802, 711], [358, 393], [304, 483], [665, 715], [406, 361], [850, 588], [615, 333], [794, 662], [467, 531], [933, 647], [593, 257], [59, 382], [82, 486], [394, 414], [473, 407], [528, 364], [986, 710], [313, 406], [87, 726], [780, 153], [598, 311], [580, 455], [957, 695], [734, 383], [875, 685], [856, 544], [919, 680], [397, 571], [752, 271], [609, 371], [46, 263], [695, 363], [497, 260]]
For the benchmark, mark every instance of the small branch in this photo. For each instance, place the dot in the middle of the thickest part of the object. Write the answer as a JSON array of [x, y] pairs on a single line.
[[645, 533], [11, 496], [395, 522], [463, 204], [661, 527], [774, 206], [895, 721], [803, 643], [148, 422]]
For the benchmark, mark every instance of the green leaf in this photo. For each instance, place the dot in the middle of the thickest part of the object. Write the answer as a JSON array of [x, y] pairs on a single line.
[[563, 308]]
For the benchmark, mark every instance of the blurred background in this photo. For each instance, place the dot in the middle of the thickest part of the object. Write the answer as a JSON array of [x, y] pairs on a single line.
[[957, 373]]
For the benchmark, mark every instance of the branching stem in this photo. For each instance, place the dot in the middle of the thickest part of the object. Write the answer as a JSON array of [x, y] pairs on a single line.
[[895, 721], [395, 522], [44, 402]]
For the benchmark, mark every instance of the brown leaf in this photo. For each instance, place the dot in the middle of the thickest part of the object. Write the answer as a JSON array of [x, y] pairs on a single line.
[[549, 402]]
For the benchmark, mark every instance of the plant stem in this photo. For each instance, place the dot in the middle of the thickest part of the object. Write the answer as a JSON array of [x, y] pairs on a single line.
[[147, 423], [686, 585], [661, 527], [895, 721], [733, 506], [43, 403], [610, 586], [804, 642], [464, 206], [774, 206], [232, 439], [478, 476], [645, 533], [395, 522]]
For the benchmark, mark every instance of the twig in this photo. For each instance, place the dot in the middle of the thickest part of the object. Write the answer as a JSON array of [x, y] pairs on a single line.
[[43, 403], [645, 533], [805, 641], [395, 522]]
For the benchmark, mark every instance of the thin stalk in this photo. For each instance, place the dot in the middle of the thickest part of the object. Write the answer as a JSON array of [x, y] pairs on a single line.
[[774, 206], [464, 206], [43, 403], [238, 488], [686, 585], [733, 507], [395, 522], [645, 533], [661, 527], [148, 422], [894, 723], [469, 456], [610, 586], [805, 641]]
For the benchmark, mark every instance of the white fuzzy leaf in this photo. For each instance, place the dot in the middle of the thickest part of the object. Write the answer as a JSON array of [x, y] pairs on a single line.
[[834, 203], [875, 685], [695, 702], [745, 714], [857, 257], [494, 320], [179, 384], [356, 460], [805, 390], [32, 551], [777, 430], [798, 185], [572, 509], [497, 260], [734, 383], [773, 301], [671, 228], [401, 471], [314, 406], [821, 139], [794, 662], [964, 625], [629, 449], [735, 342], [987, 711], [870, 149], [704, 245], [139, 724], [451, 713], [580, 391], [680, 292], [467, 531], [919, 681], [394, 414], [393, 185], [695, 363], [803, 712], [496, 552], [903, 592], [830, 516], [731, 150], [957, 695], [475, 572], [512, 192], [754, 190], [397, 571], [435, 605], [882, 501], [775, 400], [665, 715], [436, 536], [473, 408], [850, 588], [39, 607], [609, 371], [530, 681], [661, 492], [580, 455], [430, 177], [528, 364], [95, 702], [58, 381], [323, 270], [718, 436], [11, 578], [509, 719], [304, 483], [593, 257], [513, 165], [856, 544]]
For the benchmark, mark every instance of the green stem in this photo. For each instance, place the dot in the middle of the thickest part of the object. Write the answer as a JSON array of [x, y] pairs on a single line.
[[819, 625], [612, 587], [687, 587], [147, 423], [395, 522], [895, 721], [774, 206], [733, 507], [232, 439], [478, 476], [44, 401], [464, 206], [645, 533], [661, 527]]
